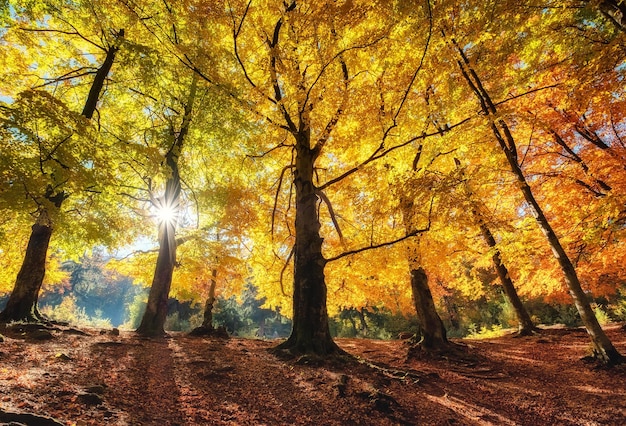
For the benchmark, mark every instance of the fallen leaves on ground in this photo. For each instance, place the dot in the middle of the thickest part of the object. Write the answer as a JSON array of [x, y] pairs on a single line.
[[97, 379]]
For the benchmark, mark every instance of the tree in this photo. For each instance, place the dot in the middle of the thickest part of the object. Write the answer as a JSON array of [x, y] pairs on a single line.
[[316, 90], [526, 325], [168, 209], [56, 161], [604, 350]]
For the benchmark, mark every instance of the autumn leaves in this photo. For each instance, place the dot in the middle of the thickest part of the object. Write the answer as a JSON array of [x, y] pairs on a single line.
[[315, 126]]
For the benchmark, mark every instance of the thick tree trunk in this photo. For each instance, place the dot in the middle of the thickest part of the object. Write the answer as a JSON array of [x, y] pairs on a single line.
[[614, 11], [432, 329], [433, 332], [153, 320], [22, 304], [526, 326], [310, 333]]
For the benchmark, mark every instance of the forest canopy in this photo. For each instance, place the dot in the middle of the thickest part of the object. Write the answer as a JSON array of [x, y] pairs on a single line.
[[318, 152]]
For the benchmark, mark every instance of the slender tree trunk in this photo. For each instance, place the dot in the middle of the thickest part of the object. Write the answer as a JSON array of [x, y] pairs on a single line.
[[310, 333], [364, 328], [22, 304], [603, 349], [433, 332], [526, 326], [207, 321], [153, 320]]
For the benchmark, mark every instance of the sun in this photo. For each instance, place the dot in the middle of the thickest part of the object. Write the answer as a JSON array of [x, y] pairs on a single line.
[[166, 214]]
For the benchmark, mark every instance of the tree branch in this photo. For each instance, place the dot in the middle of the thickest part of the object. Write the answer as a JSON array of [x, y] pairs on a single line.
[[381, 152], [331, 211], [387, 243], [284, 268], [275, 207]]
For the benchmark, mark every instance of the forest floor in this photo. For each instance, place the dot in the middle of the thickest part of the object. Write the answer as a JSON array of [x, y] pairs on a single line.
[[106, 379]]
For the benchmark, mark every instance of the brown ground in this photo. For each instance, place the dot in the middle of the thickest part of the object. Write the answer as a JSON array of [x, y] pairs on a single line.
[[124, 380]]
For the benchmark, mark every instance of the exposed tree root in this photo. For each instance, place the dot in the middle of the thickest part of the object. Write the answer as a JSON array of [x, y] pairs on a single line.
[[526, 332], [333, 355], [452, 352], [395, 373], [203, 331], [27, 419]]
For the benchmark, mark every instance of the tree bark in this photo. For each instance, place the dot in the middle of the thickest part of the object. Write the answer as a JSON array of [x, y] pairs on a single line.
[[153, 320], [432, 329], [526, 326], [433, 332], [310, 333], [22, 304], [603, 349], [101, 75], [207, 321]]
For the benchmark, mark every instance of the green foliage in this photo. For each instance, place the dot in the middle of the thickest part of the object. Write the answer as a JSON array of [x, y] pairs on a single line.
[[68, 311], [371, 323], [99, 293], [601, 314], [136, 309], [248, 318], [486, 332]]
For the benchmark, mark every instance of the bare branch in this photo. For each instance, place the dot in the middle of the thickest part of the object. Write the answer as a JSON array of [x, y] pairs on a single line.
[[388, 243], [414, 76], [73, 33], [134, 197], [280, 182], [236, 32], [280, 145], [538, 89], [331, 211], [380, 245], [381, 152], [282, 271], [68, 76]]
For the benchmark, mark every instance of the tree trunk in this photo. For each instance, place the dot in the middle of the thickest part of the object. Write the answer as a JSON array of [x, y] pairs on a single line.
[[207, 321], [22, 304], [364, 328], [431, 326], [310, 333], [433, 332], [526, 326], [153, 320], [101, 75], [603, 349]]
